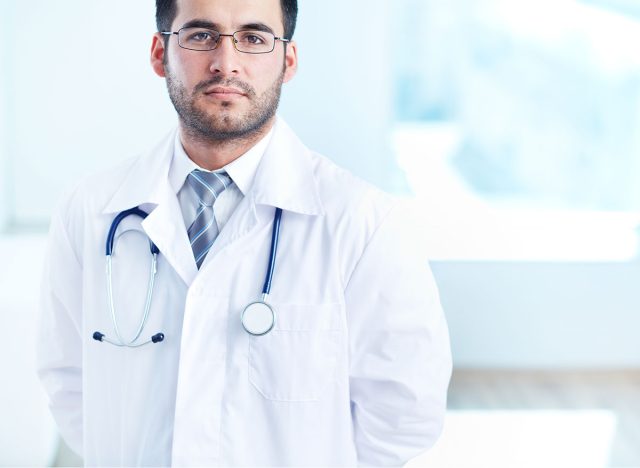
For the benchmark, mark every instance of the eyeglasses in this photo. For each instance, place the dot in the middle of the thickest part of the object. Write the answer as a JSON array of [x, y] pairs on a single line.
[[247, 42]]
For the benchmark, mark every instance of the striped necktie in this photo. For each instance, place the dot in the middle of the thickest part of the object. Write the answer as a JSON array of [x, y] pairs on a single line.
[[203, 231]]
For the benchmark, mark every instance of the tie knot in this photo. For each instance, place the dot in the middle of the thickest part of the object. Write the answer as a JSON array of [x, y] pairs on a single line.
[[208, 185]]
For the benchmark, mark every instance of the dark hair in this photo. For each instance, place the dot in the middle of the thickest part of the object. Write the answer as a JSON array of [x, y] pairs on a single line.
[[167, 10]]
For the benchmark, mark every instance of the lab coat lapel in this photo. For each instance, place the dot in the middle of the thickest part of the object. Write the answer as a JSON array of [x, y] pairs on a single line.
[[147, 185], [165, 227], [284, 179]]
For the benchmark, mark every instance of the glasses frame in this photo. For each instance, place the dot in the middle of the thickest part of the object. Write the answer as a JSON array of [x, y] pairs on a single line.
[[220, 36]]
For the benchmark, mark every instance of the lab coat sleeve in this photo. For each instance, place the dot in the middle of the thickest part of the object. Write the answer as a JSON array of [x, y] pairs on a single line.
[[400, 361], [59, 349]]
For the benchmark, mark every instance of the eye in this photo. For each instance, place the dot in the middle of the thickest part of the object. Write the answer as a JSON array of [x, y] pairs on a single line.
[[201, 36], [252, 38]]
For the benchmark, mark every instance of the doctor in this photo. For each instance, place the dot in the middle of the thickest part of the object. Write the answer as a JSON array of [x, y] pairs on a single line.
[[355, 365]]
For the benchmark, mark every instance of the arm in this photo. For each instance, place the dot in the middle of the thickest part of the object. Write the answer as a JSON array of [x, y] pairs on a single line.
[[400, 361], [59, 353]]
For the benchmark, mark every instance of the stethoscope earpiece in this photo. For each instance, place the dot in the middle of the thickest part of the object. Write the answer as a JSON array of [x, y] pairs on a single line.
[[98, 336], [158, 337]]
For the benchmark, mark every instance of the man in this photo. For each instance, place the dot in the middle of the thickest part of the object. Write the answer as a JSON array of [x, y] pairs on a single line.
[[353, 365]]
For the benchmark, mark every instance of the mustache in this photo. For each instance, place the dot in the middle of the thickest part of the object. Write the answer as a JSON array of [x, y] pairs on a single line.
[[221, 81]]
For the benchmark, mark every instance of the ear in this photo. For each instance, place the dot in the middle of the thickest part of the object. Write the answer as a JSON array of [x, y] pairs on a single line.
[[158, 52], [290, 61]]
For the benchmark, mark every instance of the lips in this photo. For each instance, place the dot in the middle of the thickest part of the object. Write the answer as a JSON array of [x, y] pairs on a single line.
[[220, 90]]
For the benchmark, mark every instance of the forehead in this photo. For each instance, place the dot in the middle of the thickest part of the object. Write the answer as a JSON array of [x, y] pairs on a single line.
[[231, 14]]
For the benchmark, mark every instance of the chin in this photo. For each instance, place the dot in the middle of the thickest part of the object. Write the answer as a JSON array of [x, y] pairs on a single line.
[[226, 125]]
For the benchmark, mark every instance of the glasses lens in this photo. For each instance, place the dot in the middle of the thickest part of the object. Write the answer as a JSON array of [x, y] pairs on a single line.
[[198, 38], [254, 42]]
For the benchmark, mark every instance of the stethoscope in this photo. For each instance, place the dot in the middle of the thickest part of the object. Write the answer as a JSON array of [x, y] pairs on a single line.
[[258, 318]]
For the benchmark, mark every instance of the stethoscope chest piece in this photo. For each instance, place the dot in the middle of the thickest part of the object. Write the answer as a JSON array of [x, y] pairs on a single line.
[[258, 318]]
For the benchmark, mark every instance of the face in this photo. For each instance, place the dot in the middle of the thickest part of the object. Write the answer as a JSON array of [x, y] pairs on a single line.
[[223, 94]]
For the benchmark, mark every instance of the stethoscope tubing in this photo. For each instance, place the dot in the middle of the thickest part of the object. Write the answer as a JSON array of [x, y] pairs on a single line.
[[109, 250], [147, 306], [275, 236], [248, 313], [114, 227], [158, 337]]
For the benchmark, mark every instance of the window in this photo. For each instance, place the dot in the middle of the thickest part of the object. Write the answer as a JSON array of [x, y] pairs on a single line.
[[518, 124]]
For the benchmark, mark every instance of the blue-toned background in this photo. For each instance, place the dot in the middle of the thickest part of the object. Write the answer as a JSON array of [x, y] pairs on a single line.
[[514, 125]]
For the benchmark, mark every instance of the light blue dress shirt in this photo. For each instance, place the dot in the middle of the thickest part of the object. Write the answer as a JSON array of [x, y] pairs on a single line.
[[242, 171]]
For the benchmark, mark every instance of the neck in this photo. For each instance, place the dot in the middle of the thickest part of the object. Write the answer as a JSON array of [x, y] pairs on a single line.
[[213, 154]]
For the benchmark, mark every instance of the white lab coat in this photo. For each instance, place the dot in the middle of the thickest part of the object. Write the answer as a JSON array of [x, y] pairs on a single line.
[[355, 371]]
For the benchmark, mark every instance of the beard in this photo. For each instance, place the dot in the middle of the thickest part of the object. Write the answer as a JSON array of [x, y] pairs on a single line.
[[223, 125]]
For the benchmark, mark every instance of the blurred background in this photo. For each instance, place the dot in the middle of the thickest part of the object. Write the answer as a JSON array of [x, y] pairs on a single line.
[[514, 125]]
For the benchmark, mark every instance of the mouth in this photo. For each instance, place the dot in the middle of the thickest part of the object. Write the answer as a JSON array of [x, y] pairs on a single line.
[[224, 92]]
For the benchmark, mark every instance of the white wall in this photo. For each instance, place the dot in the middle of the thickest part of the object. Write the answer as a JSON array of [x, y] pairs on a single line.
[[85, 96], [341, 101], [4, 122], [27, 431], [542, 315]]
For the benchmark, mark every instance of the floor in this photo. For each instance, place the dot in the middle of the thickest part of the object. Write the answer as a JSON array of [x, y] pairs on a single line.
[[530, 418]]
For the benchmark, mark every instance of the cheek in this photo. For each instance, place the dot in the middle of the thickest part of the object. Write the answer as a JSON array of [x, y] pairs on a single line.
[[189, 70], [265, 76]]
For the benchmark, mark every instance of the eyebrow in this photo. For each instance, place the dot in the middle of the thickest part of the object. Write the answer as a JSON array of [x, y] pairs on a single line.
[[202, 23], [258, 27]]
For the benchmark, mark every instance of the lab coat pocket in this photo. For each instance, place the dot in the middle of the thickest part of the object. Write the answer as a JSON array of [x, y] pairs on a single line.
[[297, 360]]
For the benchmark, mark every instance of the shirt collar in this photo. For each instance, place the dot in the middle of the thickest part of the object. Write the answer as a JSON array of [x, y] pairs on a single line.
[[242, 170]]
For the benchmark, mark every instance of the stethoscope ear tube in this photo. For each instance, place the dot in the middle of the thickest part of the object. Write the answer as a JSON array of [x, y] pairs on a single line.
[[114, 227], [98, 336]]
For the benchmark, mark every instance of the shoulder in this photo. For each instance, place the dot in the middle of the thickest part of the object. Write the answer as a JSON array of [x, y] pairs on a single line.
[[88, 204], [93, 191], [363, 218], [81, 204], [345, 195]]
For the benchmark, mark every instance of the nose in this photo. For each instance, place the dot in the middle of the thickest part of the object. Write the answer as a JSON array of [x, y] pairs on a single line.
[[225, 57]]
